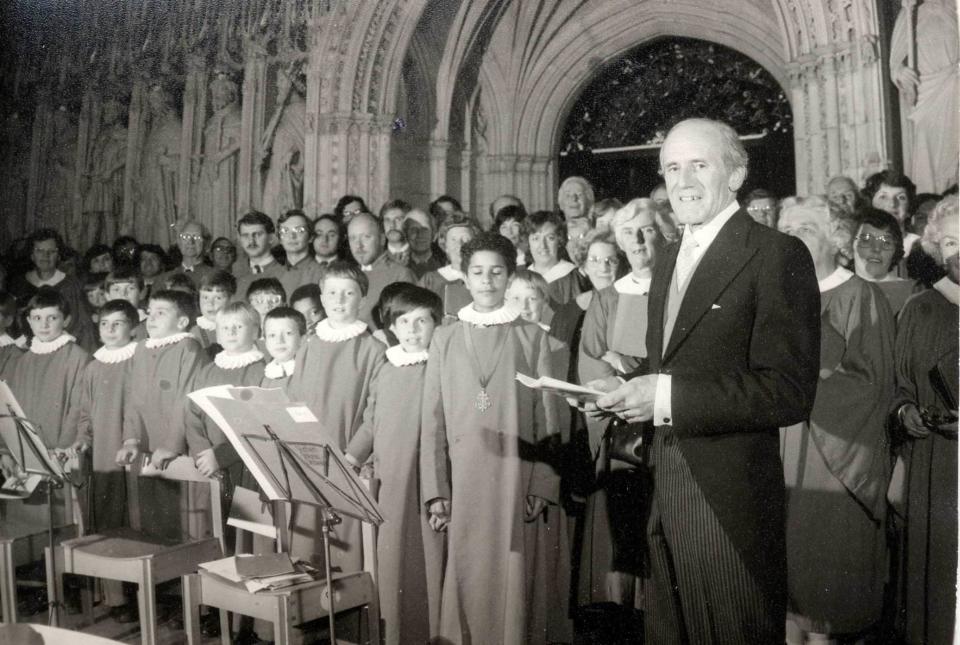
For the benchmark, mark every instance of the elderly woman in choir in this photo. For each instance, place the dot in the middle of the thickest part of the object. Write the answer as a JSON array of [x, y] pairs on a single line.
[[878, 249], [926, 370], [837, 464], [612, 344]]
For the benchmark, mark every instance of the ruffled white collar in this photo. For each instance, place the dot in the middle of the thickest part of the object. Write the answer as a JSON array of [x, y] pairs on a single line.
[[557, 271], [52, 281], [6, 340], [835, 279], [450, 274], [277, 370], [154, 343], [949, 289], [115, 354], [499, 316], [401, 358], [632, 286], [38, 346], [206, 324], [227, 361], [325, 332]]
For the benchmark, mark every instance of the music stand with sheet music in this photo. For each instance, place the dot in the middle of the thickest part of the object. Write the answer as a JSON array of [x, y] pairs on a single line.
[[277, 441], [24, 443]]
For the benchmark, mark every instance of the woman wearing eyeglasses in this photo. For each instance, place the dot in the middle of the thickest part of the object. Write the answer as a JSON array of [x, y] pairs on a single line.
[[878, 249]]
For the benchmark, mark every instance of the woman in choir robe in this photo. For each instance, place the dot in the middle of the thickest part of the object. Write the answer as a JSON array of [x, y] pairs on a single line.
[[878, 249], [508, 221], [613, 344], [926, 368], [485, 442], [447, 281], [837, 464], [546, 235]]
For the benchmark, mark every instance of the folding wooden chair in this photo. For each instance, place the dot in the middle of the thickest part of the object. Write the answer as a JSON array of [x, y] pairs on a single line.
[[135, 556]]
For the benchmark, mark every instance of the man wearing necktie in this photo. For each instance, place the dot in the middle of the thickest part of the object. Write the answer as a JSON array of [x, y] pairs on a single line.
[[733, 334]]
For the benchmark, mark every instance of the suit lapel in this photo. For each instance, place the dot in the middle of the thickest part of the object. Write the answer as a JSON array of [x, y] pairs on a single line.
[[718, 267], [659, 285]]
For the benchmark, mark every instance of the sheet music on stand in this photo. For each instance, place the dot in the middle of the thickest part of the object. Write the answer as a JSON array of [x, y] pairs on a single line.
[[26, 446]]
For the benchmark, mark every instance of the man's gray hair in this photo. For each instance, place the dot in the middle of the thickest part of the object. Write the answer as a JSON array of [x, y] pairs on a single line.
[[586, 185]]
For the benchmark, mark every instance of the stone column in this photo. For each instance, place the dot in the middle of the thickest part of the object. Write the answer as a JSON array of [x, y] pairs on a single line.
[[438, 167], [191, 135]]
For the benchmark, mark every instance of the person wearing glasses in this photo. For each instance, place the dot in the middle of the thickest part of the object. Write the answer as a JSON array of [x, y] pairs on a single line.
[[348, 207], [192, 240], [296, 234], [878, 249], [762, 207], [223, 253]]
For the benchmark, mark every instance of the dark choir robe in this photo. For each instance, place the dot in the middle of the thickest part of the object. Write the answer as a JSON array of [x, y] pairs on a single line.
[[306, 271], [334, 379], [164, 371], [612, 557], [432, 263], [382, 272], [897, 291], [447, 283], [81, 324], [926, 350], [410, 554], [486, 464], [837, 466], [563, 283], [9, 352]]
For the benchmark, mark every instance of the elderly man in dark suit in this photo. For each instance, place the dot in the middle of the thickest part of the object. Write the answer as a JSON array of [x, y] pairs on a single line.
[[733, 337]]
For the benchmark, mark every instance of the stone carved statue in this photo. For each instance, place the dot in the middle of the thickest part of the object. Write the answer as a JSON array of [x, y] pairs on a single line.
[[102, 186], [282, 147], [156, 188], [928, 92], [217, 184], [14, 177], [55, 203]]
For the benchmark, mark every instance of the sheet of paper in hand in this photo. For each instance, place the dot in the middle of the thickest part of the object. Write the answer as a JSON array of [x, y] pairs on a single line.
[[560, 388]]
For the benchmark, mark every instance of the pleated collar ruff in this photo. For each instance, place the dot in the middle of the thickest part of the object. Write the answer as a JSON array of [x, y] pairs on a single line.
[[38, 346]]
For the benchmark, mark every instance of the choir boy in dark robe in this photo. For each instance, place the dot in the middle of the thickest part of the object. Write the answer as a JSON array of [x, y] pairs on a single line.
[[98, 414], [333, 375], [837, 463], [485, 446], [125, 283], [165, 366], [217, 288], [301, 268], [546, 235], [367, 244], [410, 553], [284, 329], [306, 299], [926, 365], [9, 348], [447, 281]]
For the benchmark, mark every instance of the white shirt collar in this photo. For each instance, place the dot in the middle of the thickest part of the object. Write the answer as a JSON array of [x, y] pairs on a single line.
[[557, 271], [263, 263], [52, 281], [543, 326], [499, 316], [707, 233], [6, 340], [450, 274], [889, 277], [206, 324], [401, 358], [38, 346], [521, 258], [633, 286], [325, 332], [227, 361], [277, 370], [115, 354], [154, 343], [948, 289], [835, 279]]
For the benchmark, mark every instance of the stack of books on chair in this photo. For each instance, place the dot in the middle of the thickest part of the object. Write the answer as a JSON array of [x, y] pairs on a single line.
[[261, 572]]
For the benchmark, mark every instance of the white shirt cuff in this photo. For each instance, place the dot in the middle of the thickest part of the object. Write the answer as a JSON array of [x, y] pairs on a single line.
[[662, 410]]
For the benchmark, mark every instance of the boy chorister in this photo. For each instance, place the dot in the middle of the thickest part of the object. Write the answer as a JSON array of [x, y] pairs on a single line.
[[283, 331], [333, 375], [125, 283], [410, 552], [217, 288], [98, 413], [165, 366]]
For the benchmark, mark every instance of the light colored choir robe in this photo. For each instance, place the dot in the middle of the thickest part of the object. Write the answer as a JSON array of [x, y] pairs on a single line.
[[9, 352], [563, 283], [334, 379], [614, 536], [163, 374], [205, 331], [382, 272], [410, 554], [306, 271], [486, 464], [927, 341], [837, 465]]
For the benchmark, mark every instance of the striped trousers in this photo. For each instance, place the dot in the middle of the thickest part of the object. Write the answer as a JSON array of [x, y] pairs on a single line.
[[701, 591]]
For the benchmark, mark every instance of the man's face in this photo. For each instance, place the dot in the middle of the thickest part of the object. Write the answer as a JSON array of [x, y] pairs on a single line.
[[295, 234], [843, 193], [190, 241], [808, 227], [149, 264], [763, 211], [393, 220], [366, 240], [45, 255], [418, 229], [212, 301], [326, 238], [573, 200], [224, 255], [698, 182], [255, 240]]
